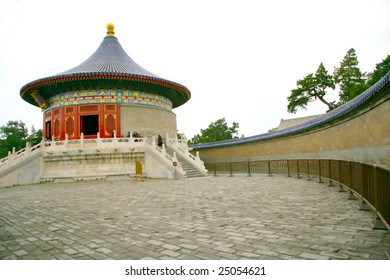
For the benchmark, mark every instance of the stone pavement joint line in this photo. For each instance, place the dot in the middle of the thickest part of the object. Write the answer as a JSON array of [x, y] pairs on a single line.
[[222, 217]]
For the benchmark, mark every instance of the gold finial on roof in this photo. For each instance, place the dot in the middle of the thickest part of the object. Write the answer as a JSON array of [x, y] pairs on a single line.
[[110, 29]]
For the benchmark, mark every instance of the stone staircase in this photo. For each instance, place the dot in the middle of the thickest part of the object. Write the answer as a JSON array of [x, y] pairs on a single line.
[[190, 170]]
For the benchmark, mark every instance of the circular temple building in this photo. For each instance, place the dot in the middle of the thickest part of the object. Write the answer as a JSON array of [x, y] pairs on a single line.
[[108, 92], [105, 118]]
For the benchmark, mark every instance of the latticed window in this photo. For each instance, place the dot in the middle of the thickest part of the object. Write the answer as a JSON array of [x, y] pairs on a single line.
[[110, 124], [69, 110], [57, 128], [89, 108], [69, 123], [47, 114], [109, 107]]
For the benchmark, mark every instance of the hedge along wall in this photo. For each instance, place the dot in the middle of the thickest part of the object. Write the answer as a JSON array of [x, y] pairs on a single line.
[[357, 131]]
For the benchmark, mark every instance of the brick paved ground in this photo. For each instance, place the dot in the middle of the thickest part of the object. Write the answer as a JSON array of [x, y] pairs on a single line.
[[209, 218]]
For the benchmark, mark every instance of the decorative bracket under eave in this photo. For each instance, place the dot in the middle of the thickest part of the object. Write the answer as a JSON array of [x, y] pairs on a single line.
[[42, 103]]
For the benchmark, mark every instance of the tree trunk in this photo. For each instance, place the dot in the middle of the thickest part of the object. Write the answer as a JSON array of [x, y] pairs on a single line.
[[330, 105]]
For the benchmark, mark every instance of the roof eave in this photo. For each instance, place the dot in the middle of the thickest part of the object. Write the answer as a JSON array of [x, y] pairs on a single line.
[[177, 93]]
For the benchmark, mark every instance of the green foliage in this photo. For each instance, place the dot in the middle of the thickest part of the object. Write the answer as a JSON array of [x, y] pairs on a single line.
[[217, 131], [310, 88], [349, 77], [380, 70], [35, 137], [15, 134]]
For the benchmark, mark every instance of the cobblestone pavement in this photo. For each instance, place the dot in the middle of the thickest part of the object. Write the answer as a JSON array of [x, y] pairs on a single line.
[[221, 217]]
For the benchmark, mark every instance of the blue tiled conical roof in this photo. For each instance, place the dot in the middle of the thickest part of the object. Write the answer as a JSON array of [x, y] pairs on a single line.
[[109, 67], [110, 58]]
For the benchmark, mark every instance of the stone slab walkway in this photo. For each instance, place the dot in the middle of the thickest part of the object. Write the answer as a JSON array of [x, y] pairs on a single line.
[[221, 217]]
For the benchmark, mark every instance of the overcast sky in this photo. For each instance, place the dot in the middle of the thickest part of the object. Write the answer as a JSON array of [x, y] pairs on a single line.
[[239, 59]]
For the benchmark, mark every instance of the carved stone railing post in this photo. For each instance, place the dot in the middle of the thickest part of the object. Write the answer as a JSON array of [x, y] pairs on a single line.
[[82, 140], [28, 150], [98, 140], [66, 144], [9, 161], [163, 149], [115, 139], [166, 138]]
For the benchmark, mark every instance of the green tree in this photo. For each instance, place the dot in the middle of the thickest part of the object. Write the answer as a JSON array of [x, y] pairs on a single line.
[[217, 131], [349, 77], [35, 136], [351, 80], [380, 70], [14, 134], [310, 88]]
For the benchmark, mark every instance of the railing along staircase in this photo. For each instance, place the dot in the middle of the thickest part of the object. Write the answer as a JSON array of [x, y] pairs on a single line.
[[189, 169], [192, 165]]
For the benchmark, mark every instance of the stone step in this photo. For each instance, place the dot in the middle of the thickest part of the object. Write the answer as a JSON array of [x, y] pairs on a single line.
[[190, 170]]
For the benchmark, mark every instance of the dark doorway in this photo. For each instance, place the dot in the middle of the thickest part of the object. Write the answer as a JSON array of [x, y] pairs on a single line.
[[48, 130], [89, 125]]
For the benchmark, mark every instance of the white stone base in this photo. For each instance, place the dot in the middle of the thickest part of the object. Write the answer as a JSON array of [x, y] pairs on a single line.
[[75, 165]]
